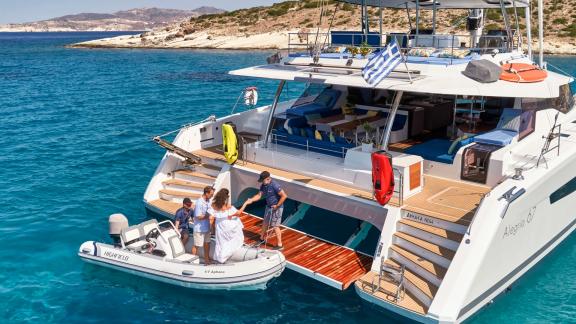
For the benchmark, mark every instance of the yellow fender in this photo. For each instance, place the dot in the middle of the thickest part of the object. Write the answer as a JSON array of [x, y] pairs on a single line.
[[229, 143]]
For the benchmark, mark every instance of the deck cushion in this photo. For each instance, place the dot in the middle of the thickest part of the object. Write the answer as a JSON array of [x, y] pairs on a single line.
[[500, 137], [321, 146], [437, 149], [322, 103]]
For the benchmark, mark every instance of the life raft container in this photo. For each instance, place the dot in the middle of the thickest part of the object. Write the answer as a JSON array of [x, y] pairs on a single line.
[[522, 73], [382, 176], [229, 143]]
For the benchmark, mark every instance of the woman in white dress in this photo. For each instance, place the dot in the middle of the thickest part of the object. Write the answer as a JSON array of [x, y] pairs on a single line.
[[229, 235]]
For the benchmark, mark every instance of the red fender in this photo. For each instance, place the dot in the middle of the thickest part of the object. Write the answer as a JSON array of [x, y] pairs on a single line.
[[382, 177]]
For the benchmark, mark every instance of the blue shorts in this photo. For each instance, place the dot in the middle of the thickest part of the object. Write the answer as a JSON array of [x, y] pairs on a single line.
[[273, 218]]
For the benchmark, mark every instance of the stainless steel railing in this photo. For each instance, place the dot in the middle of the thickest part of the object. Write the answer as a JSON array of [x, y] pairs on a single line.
[[484, 43], [282, 139], [308, 146]]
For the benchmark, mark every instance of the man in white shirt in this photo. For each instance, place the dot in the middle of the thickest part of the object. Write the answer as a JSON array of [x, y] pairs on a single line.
[[202, 223]]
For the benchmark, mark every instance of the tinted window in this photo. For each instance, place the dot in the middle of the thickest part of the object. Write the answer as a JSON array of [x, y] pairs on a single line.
[[527, 123], [563, 103], [563, 191]]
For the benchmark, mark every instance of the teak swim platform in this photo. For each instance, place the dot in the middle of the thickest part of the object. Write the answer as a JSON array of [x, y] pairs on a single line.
[[335, 265]]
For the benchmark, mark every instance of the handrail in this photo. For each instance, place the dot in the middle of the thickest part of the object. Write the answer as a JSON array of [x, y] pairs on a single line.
[[399, 189], [276, 137], [171, 224], [413, 40], [211, 118]]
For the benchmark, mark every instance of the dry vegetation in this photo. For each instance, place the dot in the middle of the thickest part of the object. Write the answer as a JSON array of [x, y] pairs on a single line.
[[267, 27], [560, 18]]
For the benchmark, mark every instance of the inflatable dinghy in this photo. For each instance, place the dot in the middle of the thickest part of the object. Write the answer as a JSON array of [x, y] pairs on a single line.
[[154, 250]]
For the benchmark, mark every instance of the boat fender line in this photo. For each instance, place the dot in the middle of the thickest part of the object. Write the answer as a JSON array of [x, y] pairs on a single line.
[[229, 143], [95, 249], [382, 176]]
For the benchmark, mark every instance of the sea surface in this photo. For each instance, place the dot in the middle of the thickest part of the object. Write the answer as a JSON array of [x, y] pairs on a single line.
[[75, 146]]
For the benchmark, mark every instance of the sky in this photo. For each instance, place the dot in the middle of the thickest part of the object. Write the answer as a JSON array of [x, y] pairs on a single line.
[[18, 11]]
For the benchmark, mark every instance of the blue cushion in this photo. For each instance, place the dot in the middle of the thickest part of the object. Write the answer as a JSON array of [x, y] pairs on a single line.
[[340, 140], [323, 102], [320, 146], [499, 137], [510, 119], [298, 122], [399, 122], [437, 150], [309, 132], [280, 131]]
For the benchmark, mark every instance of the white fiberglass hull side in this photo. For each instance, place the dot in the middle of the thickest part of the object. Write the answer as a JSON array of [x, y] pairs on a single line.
[[502, 244], [245, 275]]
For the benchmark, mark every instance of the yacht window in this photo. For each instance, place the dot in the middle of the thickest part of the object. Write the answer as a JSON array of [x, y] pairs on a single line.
[[563, 103], [527, 124], [563, 191]]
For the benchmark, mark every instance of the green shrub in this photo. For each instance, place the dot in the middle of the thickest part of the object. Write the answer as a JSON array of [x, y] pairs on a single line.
[[275, 12], [494, 14], [493, 27], [347, 7], [561, 21]]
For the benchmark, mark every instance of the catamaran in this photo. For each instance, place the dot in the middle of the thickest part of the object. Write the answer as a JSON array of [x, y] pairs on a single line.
[[468, 178]]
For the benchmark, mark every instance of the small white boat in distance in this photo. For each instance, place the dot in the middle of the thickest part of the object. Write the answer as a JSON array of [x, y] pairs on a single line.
[[154, 250]]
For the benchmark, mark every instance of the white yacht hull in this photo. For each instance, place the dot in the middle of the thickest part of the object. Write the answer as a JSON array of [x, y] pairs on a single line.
[[504, 242], [244, 275]]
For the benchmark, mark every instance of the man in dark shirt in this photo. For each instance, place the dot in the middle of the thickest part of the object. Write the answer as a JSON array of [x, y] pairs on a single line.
[[275, 198], [182, 218]]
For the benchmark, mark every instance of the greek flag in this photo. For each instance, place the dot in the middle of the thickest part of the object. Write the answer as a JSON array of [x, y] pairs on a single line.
[[380, 66]]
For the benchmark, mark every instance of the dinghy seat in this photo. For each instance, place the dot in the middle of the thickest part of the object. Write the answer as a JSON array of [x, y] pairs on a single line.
[[178, 250], [148, 226], [132, 237]]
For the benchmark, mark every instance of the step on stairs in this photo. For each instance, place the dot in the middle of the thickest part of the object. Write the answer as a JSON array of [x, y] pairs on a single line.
[[425, 248], [185, 183]]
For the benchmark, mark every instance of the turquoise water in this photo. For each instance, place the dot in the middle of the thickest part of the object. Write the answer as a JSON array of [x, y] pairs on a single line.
[[75, 147]]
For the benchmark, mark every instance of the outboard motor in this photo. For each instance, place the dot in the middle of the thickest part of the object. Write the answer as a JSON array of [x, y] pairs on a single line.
[[117, 222]]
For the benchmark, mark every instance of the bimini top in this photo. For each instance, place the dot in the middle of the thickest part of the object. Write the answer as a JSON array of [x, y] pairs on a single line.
[[442, 4], [434, 79]]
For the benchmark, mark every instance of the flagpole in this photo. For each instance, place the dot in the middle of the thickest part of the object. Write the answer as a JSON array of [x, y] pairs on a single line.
[[406, 65]]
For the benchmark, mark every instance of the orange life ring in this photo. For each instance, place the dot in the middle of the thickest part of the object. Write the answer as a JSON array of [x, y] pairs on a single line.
[[522, 73], [382, 177]]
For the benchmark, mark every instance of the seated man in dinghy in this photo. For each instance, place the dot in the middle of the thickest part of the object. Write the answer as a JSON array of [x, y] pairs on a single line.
[[229, 235], [183, 217]]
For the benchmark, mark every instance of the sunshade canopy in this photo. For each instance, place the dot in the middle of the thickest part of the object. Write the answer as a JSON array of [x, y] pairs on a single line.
[[447, 80]]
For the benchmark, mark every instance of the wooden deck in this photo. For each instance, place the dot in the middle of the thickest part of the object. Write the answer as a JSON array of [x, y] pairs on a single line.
[[329, 263], [387, 291], [449, 200], [335, 265], [216, 154]]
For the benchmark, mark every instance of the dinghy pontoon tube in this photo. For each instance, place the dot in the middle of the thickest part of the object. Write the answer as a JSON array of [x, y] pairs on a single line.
[[154, 250]]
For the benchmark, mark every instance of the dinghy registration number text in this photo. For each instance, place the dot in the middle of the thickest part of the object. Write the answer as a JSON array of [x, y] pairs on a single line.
[[117, 256]]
